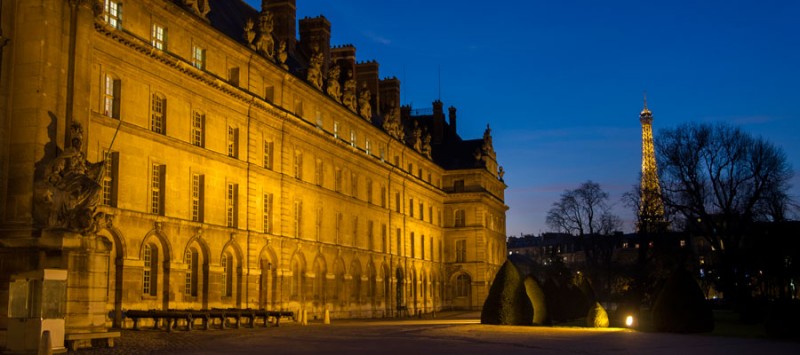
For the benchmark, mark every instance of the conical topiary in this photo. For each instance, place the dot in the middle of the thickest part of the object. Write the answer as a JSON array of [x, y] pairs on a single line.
[[537, 299], [507, 302], [597, 317], [681, 306]]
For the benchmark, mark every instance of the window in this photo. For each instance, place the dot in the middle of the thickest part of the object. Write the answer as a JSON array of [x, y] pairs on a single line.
[[198, 191], [399, 242], [227, 275], [158, 114], [268, 149], [369, 191], [298, 165], [192, 271], [463, 284], [198, 129], [352, 138], [150, 276], [461, 251], [335, 130], [338, 180], [110, 178], [421, 211], [298, 218], [458, 186], [460, 218], [318, 230], [319, 119], [159, 37], [233, 76], [422, 247], [370, 235], [430, 214], [199, 57], [412, 239], [158, 175], [233, 142], [267, 213], [269, 93], [112, 13], [411, 207], [355, 231], [367, 147], [382, 153], [383, 196], [397, 202], [338, 228], [384, 236], [354, 185], [318, 173], [232, 205], [111, 96]]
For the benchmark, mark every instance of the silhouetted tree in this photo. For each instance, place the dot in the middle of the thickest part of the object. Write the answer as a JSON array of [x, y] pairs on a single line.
[[580, 211], [721, 179]]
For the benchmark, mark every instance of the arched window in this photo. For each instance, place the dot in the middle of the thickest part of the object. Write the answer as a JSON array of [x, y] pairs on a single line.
[[150, 276], [227, 275], [192, 272], [463, 285]]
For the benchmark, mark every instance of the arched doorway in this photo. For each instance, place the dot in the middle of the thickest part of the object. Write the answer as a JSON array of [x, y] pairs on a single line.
[[399, 290]]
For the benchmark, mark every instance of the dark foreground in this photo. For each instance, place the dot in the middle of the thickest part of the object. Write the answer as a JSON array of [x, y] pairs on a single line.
[[451, 335]]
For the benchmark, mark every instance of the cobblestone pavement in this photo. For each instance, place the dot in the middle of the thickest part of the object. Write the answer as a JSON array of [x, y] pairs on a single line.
[[452, 335]]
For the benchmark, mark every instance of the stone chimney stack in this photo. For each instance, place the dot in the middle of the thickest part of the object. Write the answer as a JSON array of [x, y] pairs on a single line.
[[367, 72], [315, 32], [438, 122], [345, 57], [284, 13], [452, 115], [390, 93]]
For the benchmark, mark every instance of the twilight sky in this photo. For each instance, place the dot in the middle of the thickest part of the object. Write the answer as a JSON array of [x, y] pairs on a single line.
[[561, 82]]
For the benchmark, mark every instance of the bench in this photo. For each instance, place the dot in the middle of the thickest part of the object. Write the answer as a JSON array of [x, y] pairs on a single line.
[[76, 341], [172, 317]]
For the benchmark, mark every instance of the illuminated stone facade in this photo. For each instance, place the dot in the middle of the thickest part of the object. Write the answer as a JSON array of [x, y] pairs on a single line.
[[245, 172]]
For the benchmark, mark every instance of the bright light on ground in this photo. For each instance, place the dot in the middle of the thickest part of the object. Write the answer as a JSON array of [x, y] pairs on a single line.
[[629, 321]]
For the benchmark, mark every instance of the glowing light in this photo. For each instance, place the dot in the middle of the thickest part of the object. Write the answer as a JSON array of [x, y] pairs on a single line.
[[629, 321]]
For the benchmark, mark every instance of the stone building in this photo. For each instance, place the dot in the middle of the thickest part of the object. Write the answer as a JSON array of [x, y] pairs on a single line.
[[240, 166]]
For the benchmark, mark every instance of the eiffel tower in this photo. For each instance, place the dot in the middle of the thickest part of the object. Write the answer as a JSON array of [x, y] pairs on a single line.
[[651, 206]]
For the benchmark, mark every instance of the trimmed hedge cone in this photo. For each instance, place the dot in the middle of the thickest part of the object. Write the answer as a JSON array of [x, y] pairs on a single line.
[[597, 317], [681, 306], [536, 297], [507, 302]]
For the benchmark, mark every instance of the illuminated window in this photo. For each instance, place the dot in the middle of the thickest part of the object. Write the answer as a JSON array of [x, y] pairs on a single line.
[[231, 205], [199, 57], [267, 213], [461, 251], [335, 129], [111, 96], [233, 142], [268, 149], [158, 114], [158, 172], [192, 272], [112, 13], [352, 138], [110, 176], [198, 129], [198, 187], [367, 147], [159, 37]]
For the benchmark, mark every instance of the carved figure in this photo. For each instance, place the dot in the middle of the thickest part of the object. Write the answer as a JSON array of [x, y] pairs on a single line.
[[334, 89], [426, 145], [67, 196], [364, 107], [314, 75], [349, 95], [282, 55], [249, 33], [264, 43], [500, 173], [417, 137], [199, 7], [487, 140]]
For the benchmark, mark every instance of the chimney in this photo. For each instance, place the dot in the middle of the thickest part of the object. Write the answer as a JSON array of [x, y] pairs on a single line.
[[284, 13], [315, 32], [390, 93], [438, 122], [345, 57], [367, 72], [452, 116]]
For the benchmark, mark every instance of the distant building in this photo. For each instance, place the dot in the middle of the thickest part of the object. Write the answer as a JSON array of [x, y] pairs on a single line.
[[249, 168]]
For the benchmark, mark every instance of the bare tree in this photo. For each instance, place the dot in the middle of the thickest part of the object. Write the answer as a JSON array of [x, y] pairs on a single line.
[[721, 180], [580, 211]]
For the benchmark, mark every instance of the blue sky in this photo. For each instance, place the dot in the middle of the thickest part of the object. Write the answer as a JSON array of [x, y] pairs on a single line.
[[561, 82]]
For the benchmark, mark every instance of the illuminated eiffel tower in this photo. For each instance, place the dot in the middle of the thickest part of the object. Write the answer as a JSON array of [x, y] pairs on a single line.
[[651, 206]]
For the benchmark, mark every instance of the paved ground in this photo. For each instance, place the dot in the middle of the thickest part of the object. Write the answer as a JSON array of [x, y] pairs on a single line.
[[452, 334]]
